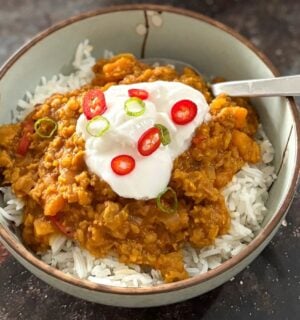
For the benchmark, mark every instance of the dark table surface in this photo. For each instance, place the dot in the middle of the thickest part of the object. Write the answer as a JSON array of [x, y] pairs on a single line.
[[270, 287]]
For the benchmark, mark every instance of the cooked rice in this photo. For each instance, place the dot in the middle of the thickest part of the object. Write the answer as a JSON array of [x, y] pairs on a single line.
[[245, 197]]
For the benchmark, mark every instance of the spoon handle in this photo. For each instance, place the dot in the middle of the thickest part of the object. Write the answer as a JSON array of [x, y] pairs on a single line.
[[281, 86]]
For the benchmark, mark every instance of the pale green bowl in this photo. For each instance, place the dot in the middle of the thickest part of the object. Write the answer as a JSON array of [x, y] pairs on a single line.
[[155, 31]]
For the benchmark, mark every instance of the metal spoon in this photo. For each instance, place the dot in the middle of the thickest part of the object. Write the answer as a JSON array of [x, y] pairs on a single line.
[[280, 86]]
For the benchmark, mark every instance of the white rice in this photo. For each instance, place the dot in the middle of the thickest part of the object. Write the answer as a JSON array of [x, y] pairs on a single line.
[[83, 74], [245, 198]]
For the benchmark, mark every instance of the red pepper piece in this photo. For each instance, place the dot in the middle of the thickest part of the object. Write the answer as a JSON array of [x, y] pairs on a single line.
[[122, 164], [198, 139], [149, 141], [65, 230], [25, 140], [183, 112], [94, 103], [138, 93]]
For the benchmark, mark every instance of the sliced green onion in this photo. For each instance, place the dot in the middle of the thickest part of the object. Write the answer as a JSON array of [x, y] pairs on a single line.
[[97, 126], [134, 107], [45, 121], [166, 208], [164, 134]]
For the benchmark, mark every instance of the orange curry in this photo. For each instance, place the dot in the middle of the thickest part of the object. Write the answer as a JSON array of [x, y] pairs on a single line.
[[62, 196]]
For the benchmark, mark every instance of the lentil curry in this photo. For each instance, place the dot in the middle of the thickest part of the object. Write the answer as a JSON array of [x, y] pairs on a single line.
[[62, 196]]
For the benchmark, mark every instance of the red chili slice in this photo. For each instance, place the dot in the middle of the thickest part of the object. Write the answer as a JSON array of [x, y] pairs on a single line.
[[26, 138], [149, 141], [138, 93], [183, 111], [122, 164], [94, 103], [65, 230], [23, 145]]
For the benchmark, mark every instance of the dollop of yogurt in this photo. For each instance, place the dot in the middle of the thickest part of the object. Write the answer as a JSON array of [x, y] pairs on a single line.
[[152, 173]]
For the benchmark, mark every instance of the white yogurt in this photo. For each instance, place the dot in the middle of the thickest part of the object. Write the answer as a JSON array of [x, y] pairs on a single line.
[[152, 173]]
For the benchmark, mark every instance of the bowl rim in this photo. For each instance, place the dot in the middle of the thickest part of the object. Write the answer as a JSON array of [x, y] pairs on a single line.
[[19, 250]]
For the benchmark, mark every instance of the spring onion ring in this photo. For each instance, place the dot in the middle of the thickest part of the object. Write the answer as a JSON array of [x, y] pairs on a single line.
[[164, 134], [134, 107], [42, 121], [97, 132], [163, 207]]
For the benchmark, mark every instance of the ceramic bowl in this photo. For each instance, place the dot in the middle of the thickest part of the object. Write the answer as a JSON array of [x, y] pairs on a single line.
[[155, 31]]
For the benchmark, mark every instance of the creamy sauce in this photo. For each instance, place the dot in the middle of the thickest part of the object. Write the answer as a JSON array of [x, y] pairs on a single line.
[[152, 173]]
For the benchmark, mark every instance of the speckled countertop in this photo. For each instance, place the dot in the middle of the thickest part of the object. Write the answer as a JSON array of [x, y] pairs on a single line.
[[270, 287]]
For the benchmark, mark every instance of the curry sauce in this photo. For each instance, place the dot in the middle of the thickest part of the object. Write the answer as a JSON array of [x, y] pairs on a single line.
[[62, 196]]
